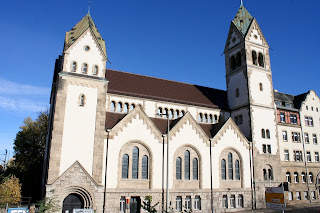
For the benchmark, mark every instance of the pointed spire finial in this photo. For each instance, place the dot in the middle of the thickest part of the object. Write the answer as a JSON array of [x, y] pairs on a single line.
[[89, 7], [241, 3]]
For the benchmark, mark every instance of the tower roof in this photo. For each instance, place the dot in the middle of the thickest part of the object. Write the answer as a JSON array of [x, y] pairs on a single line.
[[85, 23], [242, 20]]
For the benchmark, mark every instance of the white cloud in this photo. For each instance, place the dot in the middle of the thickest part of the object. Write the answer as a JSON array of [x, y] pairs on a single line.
[[12, 88], [22, 105]]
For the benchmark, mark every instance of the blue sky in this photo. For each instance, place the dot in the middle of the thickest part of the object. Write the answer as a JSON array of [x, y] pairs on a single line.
[[180, 40]]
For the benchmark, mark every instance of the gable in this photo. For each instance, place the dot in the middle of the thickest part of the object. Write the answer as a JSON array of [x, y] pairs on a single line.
[[234, 37], [255, 34]]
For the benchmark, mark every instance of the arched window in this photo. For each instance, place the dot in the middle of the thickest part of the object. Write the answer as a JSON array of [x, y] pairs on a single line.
[[171, 113], [126, 108], [223, 169], [254, 58], [81, 100], [210, 119], [296, 177], [232, 62], [215, 119], [263, 133], [125, 166], [132, 106], [238, 59], [74, 66], [205, 118], [195, 168], [237, 168], [166, 111], [178, 168], [84, 68], [310, 177], [261, 60], [260, 86], [270, 174], [237, 93], [159, 110], [200, 117], [265, 177], [268, 133], [187, 165], [145, 167], [113, 106], [230, 166], [182, 113], [176, 114], [135, 162], [119, 107], [95, 70], [288, 177], [303, 177]]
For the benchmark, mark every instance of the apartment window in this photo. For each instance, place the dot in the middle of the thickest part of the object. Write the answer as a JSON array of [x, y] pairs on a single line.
[[187, 203], [316, 156], [179, 203], [290, 196], [197, 203], [306, 137], [293, 119], [288, 177], [297, 155], [286, 155], [308, 121], [305, 194], [313, 195], [282, 117], [123, 204], [296, 177], [225, 201], [296, 137], [240, 201], [308, 157], [233, 201], [264, 148], [284, 135], [269, 148], [303, 177], [314, 137], [298, 195]]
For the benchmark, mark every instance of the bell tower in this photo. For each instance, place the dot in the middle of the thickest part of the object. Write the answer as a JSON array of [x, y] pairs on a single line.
[[250, 92]]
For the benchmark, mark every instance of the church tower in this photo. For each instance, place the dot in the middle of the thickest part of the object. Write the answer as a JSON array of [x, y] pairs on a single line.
[[75, 145], [250, 93]]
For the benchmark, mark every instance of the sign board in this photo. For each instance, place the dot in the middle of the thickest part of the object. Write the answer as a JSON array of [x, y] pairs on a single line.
[[275, 198], [82, 210], [18, 210]]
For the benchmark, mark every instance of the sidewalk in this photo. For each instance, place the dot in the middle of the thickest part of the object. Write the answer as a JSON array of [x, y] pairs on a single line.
[[299, 208]]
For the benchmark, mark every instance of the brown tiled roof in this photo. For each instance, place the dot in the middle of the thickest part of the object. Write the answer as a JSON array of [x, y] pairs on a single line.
[[165, 90], [112, 118]]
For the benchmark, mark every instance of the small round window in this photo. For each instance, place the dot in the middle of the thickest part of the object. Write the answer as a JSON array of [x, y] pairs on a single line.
[[86, 48]]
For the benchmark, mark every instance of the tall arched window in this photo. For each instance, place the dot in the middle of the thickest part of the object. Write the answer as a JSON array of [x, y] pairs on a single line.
[[310, 177], [126, 108], [84, 68], [232, 62], [238, 59], [95, 70], [215, 119], [270, 174], [125, 166], [237, 93], [254, 58], [113, 106], [205, 118], [119, 107], [223, 169], [74, 66], [230, 166], [200, 117], [145, 167], [178, 168], [159, 110], [288, 177], [135, 162], [263, 133], [265, 177], [237, 168], [260, 86], [195, 168], [187, 165], [261, 60], [171, 113], [210, 119], [268, 133]]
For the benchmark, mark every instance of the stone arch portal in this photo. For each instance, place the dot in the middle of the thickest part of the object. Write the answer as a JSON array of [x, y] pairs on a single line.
[[77, 198]]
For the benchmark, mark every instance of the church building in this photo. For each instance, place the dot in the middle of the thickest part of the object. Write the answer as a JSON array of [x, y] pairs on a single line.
[[116, 139]]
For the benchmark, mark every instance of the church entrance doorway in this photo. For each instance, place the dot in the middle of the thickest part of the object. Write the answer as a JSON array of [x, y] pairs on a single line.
[[72, 201], [135, 205]]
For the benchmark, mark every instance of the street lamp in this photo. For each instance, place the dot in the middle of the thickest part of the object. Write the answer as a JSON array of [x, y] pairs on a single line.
[[167, 186]]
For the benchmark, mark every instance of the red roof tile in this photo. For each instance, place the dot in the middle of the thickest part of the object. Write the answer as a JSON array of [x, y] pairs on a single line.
[[165, 90]]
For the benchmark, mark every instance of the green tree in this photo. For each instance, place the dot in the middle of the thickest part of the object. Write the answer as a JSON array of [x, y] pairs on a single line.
[[29, 148], [10, 190]]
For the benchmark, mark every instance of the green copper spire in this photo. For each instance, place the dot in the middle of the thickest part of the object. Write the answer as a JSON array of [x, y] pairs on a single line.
[[243, 20]]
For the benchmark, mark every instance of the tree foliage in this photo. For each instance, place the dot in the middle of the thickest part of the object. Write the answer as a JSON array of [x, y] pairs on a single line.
[[29, 148], [48, 205], [10, 190]]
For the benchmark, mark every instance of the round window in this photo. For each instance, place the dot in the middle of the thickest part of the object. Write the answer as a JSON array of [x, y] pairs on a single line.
[[86, 48]]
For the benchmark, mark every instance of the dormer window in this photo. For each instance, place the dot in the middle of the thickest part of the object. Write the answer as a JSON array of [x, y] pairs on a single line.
[[84, 68], [74, 66], [95, 70]]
